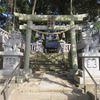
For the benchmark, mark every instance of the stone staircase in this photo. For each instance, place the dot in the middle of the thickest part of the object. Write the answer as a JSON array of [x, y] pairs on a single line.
[[48, 61], [52, 86], [49, 81]]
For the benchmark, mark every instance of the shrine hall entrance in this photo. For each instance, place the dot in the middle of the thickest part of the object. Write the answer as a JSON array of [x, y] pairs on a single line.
[[51, 47]]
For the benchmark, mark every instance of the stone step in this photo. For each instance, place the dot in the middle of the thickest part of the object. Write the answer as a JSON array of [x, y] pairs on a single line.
[[88, 80], [92, 95], [13, 80], [42, 67], [40, 96], [47, 66], [47, 96], [45, 60], [46, 63], [43, 89], [57, 56], [49, 56], [45, 56], [95, 75], [3, 79]]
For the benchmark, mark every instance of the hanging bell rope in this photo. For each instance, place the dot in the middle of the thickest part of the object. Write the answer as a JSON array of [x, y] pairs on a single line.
[[71, 27], [57, 37], [50, 38], [63, 35], [36, 35], [42, 37]]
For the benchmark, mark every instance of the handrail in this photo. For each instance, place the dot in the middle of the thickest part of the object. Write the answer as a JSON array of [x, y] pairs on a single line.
[[96, 85], [7, 82], [10, 76]]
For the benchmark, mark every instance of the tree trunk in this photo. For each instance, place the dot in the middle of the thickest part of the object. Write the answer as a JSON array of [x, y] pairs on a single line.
[[34, 5]]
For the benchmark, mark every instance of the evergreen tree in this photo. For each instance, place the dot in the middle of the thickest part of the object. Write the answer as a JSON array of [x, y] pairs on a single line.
[[61, 7]]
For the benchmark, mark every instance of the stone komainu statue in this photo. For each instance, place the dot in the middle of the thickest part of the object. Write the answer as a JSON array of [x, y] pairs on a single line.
[[13, 43], [91, 45]]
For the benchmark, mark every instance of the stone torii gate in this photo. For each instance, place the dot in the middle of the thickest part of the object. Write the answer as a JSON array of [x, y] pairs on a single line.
[[44, 18]]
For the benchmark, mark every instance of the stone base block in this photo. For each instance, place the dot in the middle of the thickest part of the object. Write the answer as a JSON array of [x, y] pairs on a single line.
[[6, 72], [95, 73], [88, 80]]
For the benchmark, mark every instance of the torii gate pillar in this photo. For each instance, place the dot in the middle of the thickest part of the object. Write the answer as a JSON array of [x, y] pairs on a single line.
[[27, 46], [73, 48]]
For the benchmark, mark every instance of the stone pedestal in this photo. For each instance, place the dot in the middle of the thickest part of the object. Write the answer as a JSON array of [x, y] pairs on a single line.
[[10, 61], [91, 62]]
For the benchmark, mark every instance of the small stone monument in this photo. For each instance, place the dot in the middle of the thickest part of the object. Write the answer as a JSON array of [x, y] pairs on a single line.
[[90, 59], [39, 46], [11, 54], [61, 46]]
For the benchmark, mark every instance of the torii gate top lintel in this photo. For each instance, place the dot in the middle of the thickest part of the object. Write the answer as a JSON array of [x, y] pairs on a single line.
[[44, 18]]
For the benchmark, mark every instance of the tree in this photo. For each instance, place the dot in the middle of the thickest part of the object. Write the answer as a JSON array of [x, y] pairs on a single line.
[[61, 7], [3, 10]]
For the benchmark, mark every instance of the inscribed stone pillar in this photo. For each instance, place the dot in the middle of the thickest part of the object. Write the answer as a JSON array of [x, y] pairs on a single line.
[[73, 48], [27, 46]]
